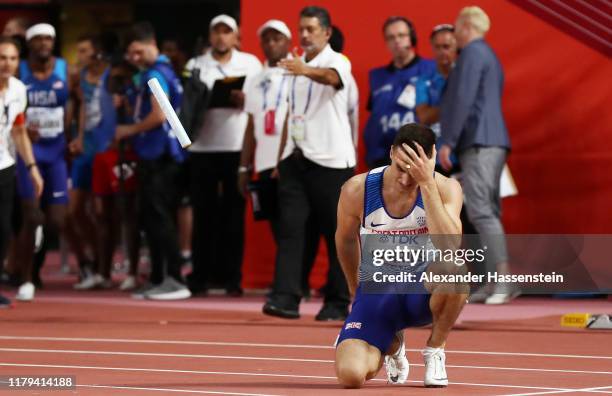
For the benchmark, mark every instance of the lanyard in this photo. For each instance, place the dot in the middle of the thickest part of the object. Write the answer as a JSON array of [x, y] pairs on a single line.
[[278, 96], [221, 71], [293, 96]]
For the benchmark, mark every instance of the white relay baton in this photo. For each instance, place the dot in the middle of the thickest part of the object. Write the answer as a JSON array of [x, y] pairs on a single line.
[[169, 112]]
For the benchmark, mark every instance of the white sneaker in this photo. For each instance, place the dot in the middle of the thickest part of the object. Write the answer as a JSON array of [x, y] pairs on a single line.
[[25, 292], [396, 365], [169, 289], [93, 282], [89, 282], [435, 369], [502, 296], [128, 283]]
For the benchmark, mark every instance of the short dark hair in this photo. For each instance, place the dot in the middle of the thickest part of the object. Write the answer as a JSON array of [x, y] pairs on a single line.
[[10, 40], [393, 19], [336, 40], [416, 133], [140, 31], [317, 12], [94, 39]]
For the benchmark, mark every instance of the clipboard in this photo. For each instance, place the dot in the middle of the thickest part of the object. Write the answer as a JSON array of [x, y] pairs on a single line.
[[220, 95]]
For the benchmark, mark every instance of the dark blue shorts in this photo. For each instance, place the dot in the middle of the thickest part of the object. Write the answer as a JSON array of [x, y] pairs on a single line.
[[375, 318], [82, 170], [55, 178]]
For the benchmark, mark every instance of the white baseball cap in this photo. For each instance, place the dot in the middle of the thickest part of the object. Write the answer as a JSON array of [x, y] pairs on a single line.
[[277, 25], [226, 20], [40, 29]]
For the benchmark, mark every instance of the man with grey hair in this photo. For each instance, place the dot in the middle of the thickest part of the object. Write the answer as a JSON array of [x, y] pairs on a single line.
[[472, 126]]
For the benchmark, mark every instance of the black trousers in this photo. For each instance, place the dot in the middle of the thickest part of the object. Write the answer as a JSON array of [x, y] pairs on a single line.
[[158, 204], [218, 220], [305, 189], [7, 197]]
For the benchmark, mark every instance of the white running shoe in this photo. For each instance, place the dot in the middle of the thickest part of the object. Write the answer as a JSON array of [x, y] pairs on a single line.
[[396, 365], [93, 282], [25, 292], [128, 283], [169, 289], [502, 298], [435, 369]]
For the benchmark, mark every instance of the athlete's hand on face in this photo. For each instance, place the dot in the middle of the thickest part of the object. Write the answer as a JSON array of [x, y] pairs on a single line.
[[37, 181], [76, 146], [295, 65], [444, 157], [418, 165]]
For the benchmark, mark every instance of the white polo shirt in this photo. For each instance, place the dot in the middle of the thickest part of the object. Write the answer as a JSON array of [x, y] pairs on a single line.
[[268, 91], [326, 137], [12, 103], [223, 128]]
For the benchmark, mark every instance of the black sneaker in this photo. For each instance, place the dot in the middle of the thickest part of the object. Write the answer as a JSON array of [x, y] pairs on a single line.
[[331, 312], [4, 302], [279, 309]]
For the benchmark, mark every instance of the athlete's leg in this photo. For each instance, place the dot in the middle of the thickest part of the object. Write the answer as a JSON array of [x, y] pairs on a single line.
[[80, 230], [356, 362]]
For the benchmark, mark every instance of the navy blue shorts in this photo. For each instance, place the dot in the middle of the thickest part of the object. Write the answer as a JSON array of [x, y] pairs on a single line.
[[375, 318]]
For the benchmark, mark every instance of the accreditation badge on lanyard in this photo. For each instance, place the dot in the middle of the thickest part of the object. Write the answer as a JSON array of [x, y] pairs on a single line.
[[270, 114], [298, 121]]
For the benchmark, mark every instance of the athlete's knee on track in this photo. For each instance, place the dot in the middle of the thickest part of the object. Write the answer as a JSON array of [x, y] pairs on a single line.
[[351, 374]]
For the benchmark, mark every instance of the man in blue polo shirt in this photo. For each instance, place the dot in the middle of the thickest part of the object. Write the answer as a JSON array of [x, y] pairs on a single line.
[[392, 89], [159, 155], [429, 88]]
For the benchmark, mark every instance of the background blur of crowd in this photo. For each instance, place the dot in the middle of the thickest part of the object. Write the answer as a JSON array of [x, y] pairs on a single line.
[[286, 138]]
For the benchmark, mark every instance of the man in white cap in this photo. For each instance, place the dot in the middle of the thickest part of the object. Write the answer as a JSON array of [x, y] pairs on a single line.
[[215, 156], [266, 105], [46, 79]]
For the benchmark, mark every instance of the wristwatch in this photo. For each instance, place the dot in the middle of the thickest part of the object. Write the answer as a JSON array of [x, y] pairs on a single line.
[[30, 166], [244, 169]]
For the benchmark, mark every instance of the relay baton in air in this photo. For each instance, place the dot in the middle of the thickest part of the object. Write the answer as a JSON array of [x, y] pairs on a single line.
[[169, 112]]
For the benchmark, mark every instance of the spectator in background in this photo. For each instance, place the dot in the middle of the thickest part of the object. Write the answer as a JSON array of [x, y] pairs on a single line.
[[12, 129], [159, 154], [336, 42], [16, 28], [316, 156], [266, 105], [429, 88], [473, 127], [95, 133], [172, 48], [218, 206], [392, 92], [46, 79]]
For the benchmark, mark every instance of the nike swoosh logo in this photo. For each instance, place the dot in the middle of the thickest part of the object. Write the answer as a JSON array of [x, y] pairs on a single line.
[[376, 225]]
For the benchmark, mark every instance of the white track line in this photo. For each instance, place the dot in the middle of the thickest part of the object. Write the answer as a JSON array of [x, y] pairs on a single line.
[[116, 387], [181, 355], [595, 390], [208, 373], [297, 346]]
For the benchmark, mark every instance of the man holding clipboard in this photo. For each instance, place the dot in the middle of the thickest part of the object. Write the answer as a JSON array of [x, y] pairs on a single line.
[[218, 206]]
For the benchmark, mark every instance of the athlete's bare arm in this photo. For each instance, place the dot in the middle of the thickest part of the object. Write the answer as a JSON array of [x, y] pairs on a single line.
[[350, 206]]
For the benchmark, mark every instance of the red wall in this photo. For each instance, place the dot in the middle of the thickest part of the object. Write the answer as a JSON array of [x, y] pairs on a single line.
[[556, 89]]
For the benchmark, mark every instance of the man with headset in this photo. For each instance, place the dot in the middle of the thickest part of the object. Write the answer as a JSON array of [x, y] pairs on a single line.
[[392, 97]]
